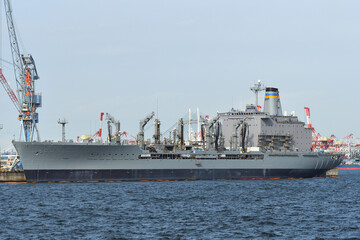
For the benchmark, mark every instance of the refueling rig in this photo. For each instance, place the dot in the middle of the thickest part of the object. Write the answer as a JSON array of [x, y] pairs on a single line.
[[237, 130]]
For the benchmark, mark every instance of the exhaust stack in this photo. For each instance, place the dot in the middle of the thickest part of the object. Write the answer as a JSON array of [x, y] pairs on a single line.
[[272, 105]]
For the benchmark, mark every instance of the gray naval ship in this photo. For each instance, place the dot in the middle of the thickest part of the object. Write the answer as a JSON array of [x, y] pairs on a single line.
[[239, 144]]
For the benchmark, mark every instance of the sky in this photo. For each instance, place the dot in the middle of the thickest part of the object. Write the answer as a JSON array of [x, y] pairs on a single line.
[[129, 58]]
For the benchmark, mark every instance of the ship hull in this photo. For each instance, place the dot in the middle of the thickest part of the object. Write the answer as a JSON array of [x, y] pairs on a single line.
[[47, 161], [167, 174]]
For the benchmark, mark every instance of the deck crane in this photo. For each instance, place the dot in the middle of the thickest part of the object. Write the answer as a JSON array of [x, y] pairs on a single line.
[[27, 100], [111, 120], [234, 136], [209, 126], [140, 136], [98, 134]]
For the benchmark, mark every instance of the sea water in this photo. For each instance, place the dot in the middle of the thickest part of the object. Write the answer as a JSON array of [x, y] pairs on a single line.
[[325, 208]]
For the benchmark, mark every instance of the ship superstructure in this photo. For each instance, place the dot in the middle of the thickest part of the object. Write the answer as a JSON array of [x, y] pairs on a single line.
[[268, 129]]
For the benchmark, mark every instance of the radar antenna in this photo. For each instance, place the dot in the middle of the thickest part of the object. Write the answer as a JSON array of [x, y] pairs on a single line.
[[256, 89]]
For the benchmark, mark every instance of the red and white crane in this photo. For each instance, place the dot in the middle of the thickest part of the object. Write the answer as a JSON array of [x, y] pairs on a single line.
[[349, 139], [9, 91], [308, 120]]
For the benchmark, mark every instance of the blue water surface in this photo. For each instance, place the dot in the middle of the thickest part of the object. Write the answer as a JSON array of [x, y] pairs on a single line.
[[326, 208]]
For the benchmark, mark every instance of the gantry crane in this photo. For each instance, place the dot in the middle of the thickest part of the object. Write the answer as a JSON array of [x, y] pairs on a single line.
[[27, 100]]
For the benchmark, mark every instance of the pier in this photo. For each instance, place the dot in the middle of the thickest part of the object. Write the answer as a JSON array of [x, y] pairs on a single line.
[[14, 176]]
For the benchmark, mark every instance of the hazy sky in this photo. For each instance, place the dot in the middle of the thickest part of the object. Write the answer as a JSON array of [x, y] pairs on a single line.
[[123, 57]]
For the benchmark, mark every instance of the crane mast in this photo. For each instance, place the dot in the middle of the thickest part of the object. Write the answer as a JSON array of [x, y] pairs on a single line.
[[25, 76]]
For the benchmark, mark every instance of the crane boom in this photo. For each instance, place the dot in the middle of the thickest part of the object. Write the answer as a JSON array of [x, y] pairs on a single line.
[[15, 51], [140, 136], [9, 91], [146, 120], [308, 119]]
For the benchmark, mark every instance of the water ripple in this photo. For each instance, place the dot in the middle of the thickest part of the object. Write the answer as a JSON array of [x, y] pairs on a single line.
[[255, 209]]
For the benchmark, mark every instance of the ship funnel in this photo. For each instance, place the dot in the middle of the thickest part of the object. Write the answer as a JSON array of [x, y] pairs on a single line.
[[272, 105]]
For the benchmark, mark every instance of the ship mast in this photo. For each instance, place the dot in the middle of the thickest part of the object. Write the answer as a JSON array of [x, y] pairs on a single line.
[[256, 89], [63, 123]]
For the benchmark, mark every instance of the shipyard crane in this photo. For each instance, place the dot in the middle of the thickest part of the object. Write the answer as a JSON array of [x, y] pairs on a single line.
[[308, 119], [27, 100], [140, 136], [9, 91], [348, 139]]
